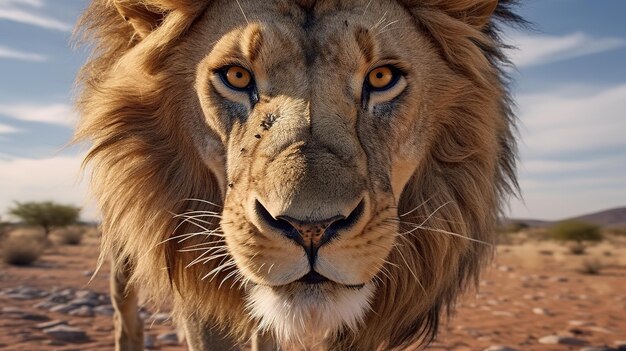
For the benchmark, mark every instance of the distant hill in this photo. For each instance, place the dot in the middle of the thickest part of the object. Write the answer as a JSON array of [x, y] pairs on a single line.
[[614, 217]]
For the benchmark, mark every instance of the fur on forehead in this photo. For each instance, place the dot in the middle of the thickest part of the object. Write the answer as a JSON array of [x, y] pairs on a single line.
[[144, 164]]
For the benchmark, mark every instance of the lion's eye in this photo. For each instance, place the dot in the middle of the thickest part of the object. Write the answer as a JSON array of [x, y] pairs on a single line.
[[382, 78], [237, 77]]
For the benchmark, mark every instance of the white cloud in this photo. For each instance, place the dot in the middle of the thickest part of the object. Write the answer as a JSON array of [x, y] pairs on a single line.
[[560, 124], [9, 53], [573, 152], [13, 10], [33, 3], [4, 129], [533, 50], [56, 178], [61, 114]]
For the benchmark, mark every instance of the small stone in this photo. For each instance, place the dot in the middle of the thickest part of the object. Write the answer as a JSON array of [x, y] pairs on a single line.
[[64, 308], [149, 342], [593, 348], [57, 298], [86, 294], [168, 339], [505, 268], [50, 324], [12, 311], [21, 296], [44, 305], [104, 310], [34, 317], [66, 334], [67, 292], [559, 279], [541, 311], [85, 302], [561, 340], [82, 311], [500, 348]]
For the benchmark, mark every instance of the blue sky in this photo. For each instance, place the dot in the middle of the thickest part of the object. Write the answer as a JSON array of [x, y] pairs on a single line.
[[570, 89]]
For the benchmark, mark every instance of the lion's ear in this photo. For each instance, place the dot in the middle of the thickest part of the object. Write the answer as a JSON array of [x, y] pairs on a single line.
[[476, 13], [147, 15]]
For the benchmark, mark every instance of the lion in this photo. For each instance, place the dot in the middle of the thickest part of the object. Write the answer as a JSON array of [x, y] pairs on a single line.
[[296, 173]]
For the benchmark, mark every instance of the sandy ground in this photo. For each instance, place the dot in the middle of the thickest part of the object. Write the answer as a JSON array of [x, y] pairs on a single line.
[[531, 291]]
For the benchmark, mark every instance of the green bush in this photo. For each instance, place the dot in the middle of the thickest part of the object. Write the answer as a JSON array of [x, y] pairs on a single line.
[[575, 231]]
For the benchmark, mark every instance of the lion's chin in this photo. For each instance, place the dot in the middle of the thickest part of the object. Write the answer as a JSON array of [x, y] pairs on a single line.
[[305, 314]]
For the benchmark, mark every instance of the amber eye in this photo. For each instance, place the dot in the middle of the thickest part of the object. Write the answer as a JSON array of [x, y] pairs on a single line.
[[382, 77], [237, 77]]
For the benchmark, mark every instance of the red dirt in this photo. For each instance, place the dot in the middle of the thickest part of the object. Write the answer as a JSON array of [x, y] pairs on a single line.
[[501, 314]]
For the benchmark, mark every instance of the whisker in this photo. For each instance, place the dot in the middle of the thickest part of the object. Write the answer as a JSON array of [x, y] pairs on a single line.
[[456, 235], [411, 271], [193, 212], [242, 12], [202, 249], [387, 25], [205, 260], [219, 268], [228, 277], [366, 8], [201, 200], [417, 208]]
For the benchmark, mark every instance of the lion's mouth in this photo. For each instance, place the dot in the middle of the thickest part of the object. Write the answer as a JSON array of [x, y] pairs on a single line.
[[314, 278]]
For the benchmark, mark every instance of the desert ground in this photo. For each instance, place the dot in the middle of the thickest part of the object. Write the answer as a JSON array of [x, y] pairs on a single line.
[[535, 296]]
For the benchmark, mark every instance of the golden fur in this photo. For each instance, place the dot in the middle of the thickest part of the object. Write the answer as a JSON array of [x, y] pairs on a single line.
[[434, 179]]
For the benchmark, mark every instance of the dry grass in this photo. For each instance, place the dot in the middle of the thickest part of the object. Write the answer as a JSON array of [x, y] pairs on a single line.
[[21, 250], [592, 266]]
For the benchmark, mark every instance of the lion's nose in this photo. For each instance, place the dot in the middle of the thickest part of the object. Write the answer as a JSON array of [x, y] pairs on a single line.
[[311, 235]]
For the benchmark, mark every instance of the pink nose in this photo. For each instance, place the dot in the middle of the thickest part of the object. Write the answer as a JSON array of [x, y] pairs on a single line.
[[311, 235]]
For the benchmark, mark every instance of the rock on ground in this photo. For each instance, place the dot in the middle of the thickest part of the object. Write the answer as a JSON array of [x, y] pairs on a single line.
[[561, 340], [66, 333]]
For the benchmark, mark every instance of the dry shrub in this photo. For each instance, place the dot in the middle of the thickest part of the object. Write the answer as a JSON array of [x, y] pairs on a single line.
[[21, 250], [591, 267], [69, 235], [577, 248]]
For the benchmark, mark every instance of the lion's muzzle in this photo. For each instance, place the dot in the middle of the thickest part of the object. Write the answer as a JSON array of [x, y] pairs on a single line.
[[311, 235]]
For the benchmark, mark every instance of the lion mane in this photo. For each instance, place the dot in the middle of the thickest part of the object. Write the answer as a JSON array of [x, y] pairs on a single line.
[[145, 169]]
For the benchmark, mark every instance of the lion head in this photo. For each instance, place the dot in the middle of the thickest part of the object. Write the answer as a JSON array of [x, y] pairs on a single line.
[[322, 170]]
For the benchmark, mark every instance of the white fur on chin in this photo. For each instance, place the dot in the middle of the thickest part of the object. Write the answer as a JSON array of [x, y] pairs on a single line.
[[306, 314]]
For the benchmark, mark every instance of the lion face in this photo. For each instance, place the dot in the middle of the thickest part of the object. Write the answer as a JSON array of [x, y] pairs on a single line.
[[319, 116], [358, 153]]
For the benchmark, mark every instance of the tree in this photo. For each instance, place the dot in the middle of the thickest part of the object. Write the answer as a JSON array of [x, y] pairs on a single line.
[[46, 214]]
